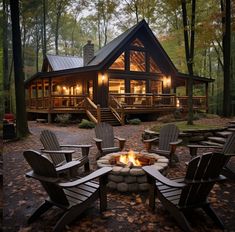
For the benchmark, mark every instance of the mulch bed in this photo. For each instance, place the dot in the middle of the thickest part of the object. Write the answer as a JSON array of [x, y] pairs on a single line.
[[126, 212]]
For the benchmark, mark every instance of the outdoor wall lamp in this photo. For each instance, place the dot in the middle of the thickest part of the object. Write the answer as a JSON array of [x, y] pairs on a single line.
[[167, 81]]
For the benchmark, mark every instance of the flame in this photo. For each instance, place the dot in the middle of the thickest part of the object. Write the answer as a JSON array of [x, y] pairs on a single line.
[[130, 157]]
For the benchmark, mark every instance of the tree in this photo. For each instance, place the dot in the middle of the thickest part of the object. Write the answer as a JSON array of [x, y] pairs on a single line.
[[21, 119], [226, 25], [189, 52]]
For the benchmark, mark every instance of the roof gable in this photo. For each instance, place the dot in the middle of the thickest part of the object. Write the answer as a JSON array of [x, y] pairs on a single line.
[[57, 62], [106, 55]]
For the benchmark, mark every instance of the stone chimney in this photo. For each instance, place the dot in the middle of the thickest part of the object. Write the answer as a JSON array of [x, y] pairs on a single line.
[[88, 52]]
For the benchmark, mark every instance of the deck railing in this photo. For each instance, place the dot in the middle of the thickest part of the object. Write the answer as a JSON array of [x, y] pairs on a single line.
[[125, 101], [57, 102], [92, 110]]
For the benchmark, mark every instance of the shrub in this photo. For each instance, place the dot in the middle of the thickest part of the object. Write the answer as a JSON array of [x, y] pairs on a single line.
[[63, 119], [134, 121], [86, 124]]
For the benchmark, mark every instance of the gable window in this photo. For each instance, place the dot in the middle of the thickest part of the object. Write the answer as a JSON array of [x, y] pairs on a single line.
[[119, 63], [137, 43], [137, 61]]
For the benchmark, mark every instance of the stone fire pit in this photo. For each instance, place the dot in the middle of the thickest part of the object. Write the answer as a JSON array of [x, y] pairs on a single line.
[[128, 177]]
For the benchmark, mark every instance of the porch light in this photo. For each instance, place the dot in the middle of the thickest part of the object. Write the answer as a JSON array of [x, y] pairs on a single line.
[[177, 103], [102, 77]]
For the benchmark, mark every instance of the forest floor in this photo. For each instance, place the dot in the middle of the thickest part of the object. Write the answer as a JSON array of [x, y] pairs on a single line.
[[126, 212]]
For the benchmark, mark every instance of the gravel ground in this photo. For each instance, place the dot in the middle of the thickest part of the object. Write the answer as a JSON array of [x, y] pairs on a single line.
[[126, 212]]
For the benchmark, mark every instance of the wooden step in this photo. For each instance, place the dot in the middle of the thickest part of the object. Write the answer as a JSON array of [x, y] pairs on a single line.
[[223, 134], [217, 140], [231, 129], [208, 143], [232, 122]]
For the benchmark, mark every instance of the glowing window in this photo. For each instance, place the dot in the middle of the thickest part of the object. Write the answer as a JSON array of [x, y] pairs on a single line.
[[137, 61], [119, 63], [116, 86]]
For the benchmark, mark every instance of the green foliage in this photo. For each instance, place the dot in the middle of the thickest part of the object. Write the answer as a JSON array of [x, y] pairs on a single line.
[[86, 124], [63, 119], [134, 121]]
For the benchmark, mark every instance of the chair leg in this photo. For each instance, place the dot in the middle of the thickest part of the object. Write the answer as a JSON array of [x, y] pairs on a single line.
[[181, 219], [42, 209], [210, 212]]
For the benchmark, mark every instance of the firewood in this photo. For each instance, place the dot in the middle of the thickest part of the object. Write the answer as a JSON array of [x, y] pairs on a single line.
[[129, 165]]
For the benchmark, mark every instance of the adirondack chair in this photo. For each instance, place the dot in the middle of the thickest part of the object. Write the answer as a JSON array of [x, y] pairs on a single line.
[[181, 195], [60, 157], [167, 141], [72, 197], [228, 149], [105, 139]]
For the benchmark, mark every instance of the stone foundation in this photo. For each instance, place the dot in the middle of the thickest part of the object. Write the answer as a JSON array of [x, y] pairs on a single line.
[[125, 179]]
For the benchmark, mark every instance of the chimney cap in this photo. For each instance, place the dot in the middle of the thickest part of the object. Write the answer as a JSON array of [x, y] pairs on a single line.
[[89, 41]]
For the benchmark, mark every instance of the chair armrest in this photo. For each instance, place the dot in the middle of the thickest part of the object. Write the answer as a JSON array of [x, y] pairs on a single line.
[[153, 172], [77, 146], [95, 174], [58, 152], [193, 148], [98, 143], [68, 165], [33, 175], [148, 143], [179, 141], [121, 142]]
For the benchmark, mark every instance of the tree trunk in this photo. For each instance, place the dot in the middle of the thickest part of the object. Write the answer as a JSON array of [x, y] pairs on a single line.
[[189, 51], [44, 46], [21, 119], [6, 82], [226, 20]]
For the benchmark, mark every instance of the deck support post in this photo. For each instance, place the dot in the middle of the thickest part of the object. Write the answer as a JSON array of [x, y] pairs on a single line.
[[49, 118]]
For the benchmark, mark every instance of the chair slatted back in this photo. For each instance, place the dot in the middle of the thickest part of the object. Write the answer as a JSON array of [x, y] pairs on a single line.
[[44, 168], [229, 146], [201, 175], [104, 131], [50, 142], [168, 133]]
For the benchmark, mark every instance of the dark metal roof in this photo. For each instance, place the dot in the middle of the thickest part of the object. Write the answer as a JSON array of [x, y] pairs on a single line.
[[104, 52], [196, 78], [58, 62]]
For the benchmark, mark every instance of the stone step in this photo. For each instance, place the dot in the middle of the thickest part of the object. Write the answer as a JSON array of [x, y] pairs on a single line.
[[208, 143], [217, 140], [223, 134]]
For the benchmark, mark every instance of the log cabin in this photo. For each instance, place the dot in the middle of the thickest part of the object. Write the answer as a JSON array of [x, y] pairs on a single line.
[[132, 74]]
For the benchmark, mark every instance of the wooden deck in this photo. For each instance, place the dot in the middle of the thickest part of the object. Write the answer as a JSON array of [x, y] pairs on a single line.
[[119, 104]]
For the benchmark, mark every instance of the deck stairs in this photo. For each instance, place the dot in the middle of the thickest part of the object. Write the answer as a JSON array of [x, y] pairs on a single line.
[[107, 116]]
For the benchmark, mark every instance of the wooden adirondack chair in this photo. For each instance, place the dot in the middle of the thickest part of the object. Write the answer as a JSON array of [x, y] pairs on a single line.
[[60, 157], [184, 194], [105, 139], [72, 197], [228, 149], [167, 141]]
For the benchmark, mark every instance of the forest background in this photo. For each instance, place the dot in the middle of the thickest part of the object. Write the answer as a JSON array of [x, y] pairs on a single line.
[[63, 27]]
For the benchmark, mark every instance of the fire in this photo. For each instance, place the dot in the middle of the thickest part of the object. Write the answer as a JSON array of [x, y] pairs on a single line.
[[130, 157]]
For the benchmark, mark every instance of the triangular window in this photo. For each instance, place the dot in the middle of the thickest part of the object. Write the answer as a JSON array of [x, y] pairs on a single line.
[[119, 63], [137, 43], [153, 66]]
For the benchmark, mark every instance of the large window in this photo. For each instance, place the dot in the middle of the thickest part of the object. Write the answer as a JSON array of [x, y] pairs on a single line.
[[153, 66], [137, 43], [156, 87], [119, 63], [138, 86], [137, 61], [116, 86]]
